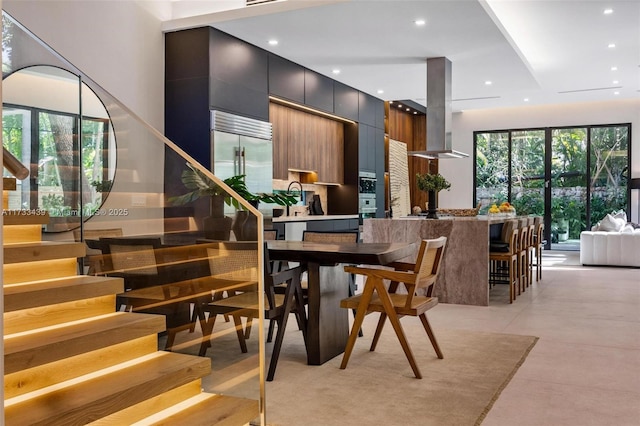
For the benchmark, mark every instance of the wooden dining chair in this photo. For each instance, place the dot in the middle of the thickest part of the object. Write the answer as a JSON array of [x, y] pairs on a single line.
[[93, 261], [246, 304], [140, 263], [503, 264], [419, 280]]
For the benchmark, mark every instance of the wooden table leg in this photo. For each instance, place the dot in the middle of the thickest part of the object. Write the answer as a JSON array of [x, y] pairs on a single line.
[[327, 323]]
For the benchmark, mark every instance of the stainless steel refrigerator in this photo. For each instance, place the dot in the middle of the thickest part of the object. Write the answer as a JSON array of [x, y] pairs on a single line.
[[243, 146]]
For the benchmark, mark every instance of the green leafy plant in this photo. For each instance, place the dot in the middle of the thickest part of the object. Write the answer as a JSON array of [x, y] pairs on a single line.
[[102, 186], [429, 182], [201, 186]]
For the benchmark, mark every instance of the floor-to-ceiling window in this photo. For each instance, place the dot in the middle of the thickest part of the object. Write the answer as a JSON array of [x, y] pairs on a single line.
[[573, 176]]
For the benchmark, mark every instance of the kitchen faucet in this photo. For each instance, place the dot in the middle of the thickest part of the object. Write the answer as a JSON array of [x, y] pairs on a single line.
[[295, 182]]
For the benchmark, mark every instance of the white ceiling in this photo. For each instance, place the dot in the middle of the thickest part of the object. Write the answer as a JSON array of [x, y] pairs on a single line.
[[548, 51]]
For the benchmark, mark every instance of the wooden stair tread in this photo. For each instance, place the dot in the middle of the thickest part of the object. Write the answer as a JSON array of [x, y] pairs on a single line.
[[41, 346], [207, 409], [58, 290], [9, 183], [92, 397], [42, 250], [24, 217]]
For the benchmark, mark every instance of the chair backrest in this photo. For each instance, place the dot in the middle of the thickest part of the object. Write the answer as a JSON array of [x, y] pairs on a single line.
[[540, 233], [132, 255], [95, 234], [428, 263], [270, 234], [523, 229], [237, 261], [507, 227], [330, 236]]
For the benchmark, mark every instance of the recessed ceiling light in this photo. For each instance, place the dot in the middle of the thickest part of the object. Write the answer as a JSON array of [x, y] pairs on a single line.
[[390, 102], [608, 11], [380, 91], [615, 82], [616, 93], [526, 99], [488, 83], [420, 22], [336, 71], [399, 105], [415, 112], [408, 109], [611, 45], [614, 68], [273, 42]]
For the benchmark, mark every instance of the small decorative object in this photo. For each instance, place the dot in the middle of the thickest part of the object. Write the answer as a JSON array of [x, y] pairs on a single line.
[[461, 212], [505, 209], [416, 210], [432, 184]]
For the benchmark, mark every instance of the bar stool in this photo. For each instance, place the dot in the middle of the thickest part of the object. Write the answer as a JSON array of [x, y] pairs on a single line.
[[523, 249], [530, 248], [505, 257], [538, 245]]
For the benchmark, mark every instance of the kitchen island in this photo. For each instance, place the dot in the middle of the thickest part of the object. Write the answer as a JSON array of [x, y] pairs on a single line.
[[464, 272], [291, 227]]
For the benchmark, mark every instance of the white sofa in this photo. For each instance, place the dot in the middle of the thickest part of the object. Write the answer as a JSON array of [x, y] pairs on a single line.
[[612, 248]]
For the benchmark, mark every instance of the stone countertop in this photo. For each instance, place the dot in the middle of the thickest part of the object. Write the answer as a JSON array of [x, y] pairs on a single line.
[[308, 218], [485, 218]]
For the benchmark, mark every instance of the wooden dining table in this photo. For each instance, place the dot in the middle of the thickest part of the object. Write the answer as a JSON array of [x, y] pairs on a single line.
[[328, 284]]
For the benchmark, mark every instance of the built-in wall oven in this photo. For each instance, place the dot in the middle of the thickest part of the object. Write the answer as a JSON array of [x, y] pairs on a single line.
[[367, 194]]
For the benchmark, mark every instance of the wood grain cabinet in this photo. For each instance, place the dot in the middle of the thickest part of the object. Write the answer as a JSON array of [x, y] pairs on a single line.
[[304, 141], [330, 151], [301, 148], [279, 117]]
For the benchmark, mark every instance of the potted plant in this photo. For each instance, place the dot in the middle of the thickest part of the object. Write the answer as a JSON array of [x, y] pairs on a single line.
[[217, 226], [432, 184]]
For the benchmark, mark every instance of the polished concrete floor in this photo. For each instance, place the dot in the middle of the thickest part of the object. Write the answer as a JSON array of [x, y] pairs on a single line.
[[585, 368]]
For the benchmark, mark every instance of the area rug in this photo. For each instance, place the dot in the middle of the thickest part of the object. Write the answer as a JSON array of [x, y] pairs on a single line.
[[378, 388]]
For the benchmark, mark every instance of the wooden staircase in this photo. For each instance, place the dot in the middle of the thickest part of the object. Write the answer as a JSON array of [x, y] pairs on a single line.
[[71, 359]]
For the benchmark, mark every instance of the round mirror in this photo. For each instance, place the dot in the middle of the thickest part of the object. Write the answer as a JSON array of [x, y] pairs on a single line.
[[57, 127]]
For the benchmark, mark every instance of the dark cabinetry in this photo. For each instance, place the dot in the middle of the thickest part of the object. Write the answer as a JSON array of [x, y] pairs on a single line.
[[286, 79], [370, 149], [239, 76], [367, 109], [333, 225], [207, 69], [318, 91], [345, 101]]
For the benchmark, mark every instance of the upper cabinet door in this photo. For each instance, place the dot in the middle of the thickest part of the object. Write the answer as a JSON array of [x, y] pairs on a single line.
[[366, 109], [239, 76], [286, 79], [345, 101], [318, 91], [238, 63]]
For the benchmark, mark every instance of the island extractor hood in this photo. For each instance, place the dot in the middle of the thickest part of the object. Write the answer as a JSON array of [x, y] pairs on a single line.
[[438, 112]]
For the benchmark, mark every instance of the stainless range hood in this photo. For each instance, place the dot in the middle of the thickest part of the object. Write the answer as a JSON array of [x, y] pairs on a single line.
[[438, 112]]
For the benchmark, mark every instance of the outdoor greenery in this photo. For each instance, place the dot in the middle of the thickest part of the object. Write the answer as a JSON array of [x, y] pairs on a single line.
[[510, 166]]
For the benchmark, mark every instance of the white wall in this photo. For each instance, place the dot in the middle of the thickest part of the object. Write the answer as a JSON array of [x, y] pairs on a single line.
[[118, 44], [460, 171]]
